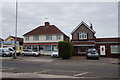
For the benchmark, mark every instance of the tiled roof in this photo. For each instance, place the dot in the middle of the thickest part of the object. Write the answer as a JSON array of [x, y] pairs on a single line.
[[1, 39], [80, 26], [18, 38], [51, 29], [117, 39]]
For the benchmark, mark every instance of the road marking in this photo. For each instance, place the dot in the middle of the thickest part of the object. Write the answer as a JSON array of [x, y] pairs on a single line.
[[77, 75], [9, 68]]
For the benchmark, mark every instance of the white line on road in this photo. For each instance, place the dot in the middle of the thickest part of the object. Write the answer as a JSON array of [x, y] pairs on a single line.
[[77, 75]]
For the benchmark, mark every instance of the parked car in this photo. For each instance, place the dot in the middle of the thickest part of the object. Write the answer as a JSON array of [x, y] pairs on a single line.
[[29, 52], [5, 52], [11, 50], [92, 53], [55, 53]]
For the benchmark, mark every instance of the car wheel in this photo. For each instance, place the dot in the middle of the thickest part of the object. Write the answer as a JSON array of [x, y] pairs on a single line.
[[87, 57], [34, 55], [23, 54], [97, 58], [4, 55]]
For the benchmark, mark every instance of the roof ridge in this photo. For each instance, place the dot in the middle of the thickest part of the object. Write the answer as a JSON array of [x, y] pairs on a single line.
[[85, 25], [52, 29]]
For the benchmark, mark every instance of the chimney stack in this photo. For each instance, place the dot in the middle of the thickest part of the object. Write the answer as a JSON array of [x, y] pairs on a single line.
[[91, 26], [47, 24]]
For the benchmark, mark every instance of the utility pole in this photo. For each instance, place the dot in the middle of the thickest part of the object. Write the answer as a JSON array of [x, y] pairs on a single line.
[[15, 45]]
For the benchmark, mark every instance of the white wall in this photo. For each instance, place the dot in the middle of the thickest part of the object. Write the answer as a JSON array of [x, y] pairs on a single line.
[[42, 38]]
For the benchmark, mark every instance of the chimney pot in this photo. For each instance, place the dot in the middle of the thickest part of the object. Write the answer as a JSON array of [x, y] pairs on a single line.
[[47, 23]]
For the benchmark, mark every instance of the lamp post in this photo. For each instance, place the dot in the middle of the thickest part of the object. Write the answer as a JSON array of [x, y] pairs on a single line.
[[15, 45]]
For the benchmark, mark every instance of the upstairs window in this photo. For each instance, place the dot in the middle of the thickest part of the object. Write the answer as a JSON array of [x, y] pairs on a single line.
[[35, 37], [58, 37], [83, 35], [27, 38], [48, 37]]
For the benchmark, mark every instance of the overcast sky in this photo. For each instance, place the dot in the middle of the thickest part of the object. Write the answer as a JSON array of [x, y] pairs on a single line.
[[65, 15]]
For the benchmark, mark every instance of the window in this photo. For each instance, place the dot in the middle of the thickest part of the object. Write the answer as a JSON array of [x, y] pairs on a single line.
[[48, 37], [35, 37], [58, 37], [115, 49], [27, 38], [48, 48], [82, 35], [82, 49]]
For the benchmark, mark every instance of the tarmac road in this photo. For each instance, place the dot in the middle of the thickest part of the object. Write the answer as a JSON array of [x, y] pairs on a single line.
[[58, 68]]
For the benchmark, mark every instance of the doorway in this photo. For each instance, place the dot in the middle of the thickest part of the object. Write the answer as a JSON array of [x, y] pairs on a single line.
[[102, 50]]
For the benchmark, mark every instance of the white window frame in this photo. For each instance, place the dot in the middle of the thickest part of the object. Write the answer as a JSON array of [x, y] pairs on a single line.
[[48, 37], [83, 35], [27, 38], [58, 37], [35, 37], [113, 47]]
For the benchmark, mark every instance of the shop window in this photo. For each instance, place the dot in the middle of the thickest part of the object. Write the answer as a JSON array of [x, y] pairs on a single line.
[[115, 49], [82, 49], [48, 48], [54, 47]]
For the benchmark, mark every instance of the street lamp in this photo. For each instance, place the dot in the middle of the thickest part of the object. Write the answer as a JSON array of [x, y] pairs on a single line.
[[15, 45]]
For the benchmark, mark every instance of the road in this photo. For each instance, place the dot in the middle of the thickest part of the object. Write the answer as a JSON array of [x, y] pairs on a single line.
[[75, 68]]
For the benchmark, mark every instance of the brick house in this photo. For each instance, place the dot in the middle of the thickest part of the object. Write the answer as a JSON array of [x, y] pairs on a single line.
[[83, 38], [44, 38]]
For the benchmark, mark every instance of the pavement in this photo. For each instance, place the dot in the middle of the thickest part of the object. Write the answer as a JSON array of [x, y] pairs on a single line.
[[29, 58], [49, 59]]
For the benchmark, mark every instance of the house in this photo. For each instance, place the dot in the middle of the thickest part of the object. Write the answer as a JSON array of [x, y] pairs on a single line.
[[83, 38], [10, 42], [44, 38], [1, 41]]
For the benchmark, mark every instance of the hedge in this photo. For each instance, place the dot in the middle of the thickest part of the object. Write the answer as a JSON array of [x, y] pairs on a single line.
[[65, 49]]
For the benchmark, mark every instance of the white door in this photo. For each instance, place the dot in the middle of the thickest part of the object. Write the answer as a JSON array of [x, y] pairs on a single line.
[[102, 50]]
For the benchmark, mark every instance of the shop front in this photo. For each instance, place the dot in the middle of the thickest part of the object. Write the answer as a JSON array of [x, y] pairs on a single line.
[[43, 48]]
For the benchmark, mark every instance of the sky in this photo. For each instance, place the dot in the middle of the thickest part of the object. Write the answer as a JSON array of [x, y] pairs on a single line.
[[64, 15]]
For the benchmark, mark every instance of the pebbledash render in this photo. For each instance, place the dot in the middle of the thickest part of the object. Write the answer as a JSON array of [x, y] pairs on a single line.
[[44, 38], [83, 38]]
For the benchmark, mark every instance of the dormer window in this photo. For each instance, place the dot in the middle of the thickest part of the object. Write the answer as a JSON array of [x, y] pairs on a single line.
[[83, 35]]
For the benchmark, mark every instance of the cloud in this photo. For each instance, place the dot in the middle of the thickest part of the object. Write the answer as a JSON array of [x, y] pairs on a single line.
[[65, 15]]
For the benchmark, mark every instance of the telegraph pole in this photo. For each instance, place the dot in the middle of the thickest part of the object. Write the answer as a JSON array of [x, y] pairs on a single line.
[[15, 45]]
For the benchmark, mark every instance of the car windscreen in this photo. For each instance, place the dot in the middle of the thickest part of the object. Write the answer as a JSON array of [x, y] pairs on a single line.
[[5, 50], [92, 50], [11, 49]]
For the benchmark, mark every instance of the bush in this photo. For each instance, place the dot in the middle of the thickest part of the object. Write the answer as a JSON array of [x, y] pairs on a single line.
[[65, 49]]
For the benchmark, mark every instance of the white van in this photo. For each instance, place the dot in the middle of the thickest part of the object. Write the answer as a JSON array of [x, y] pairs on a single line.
[[5, 52], [11, 50]]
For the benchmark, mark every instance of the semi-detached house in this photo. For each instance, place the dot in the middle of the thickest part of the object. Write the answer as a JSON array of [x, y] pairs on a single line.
[[44, 38]]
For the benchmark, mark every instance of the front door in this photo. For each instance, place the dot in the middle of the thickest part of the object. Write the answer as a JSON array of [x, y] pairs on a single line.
[[102, 50]]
